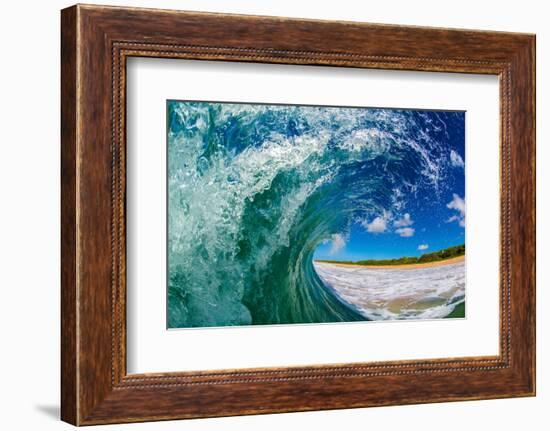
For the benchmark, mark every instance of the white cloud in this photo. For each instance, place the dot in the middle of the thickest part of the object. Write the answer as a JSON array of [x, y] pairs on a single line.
[[458, 205], [404, 221], [405, 232], [338, 242], [423, 247], [456, 160], [378, 225], [461, 221]]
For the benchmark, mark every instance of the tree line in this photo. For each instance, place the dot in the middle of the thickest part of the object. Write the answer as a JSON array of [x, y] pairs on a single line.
[[446, 253]]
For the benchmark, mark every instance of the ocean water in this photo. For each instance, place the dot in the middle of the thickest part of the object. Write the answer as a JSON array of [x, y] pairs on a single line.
[[395, 294], [254, 189]]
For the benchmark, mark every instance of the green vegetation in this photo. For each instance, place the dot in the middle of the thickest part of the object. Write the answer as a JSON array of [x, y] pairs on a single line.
[[458, 312], [436, 256]]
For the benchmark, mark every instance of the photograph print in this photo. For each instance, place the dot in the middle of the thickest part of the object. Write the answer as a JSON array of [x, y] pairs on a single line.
[[298, 214]]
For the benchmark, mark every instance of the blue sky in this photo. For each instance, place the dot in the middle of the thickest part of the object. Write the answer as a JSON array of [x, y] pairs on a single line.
[[429, 221]]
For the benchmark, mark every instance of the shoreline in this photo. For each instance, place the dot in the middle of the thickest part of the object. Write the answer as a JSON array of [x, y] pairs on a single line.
[[450, 261]]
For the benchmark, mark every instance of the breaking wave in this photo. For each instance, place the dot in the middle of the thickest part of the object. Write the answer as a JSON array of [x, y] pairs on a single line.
[[254, 189]]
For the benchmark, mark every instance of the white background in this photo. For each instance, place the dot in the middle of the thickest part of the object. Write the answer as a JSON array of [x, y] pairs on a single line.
[[151, 348], [29, 217]]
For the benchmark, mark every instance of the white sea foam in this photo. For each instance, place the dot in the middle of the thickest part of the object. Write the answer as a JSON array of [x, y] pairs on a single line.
[[390, 294]]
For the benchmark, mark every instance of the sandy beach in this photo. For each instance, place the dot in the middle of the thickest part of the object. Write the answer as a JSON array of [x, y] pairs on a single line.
[[406, 266]]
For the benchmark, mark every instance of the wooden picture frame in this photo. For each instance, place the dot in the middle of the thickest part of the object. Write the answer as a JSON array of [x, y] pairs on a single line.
[[95, 43]]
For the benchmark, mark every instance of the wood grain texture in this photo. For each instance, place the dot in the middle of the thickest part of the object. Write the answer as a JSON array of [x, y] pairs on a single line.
[[96, 41], [69, 397]]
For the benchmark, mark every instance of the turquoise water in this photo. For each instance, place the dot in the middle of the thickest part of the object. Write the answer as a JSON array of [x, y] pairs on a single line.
[[253, 190]]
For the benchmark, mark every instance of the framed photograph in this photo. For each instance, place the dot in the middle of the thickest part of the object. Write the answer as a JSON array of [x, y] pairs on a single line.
[[264, 215]]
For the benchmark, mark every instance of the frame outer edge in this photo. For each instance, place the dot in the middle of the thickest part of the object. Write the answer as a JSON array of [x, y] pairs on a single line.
[[533, 53], [69, 201], [532, 127], [523, 216], [87, 396], [530, 63]]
